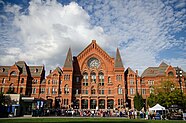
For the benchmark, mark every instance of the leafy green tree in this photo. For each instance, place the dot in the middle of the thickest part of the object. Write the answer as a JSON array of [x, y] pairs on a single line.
[[152, 100], [138, 102], [166, 94]]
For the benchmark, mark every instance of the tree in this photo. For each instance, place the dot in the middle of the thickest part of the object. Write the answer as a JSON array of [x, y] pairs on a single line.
[[152, 100], [138, 102], [166, 94]]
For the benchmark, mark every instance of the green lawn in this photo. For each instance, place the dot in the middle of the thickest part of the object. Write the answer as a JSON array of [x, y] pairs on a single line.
[[60, 119]]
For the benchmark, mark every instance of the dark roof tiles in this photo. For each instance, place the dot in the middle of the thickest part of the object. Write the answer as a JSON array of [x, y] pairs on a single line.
[[118, 60]]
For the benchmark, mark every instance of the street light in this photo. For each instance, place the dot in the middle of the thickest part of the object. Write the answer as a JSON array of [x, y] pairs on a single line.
[[179, 76]]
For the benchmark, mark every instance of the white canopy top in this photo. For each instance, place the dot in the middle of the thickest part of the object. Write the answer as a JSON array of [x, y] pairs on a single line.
[[157, 107]]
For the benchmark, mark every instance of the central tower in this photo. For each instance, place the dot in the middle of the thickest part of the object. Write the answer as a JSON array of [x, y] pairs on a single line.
[[98, 79]]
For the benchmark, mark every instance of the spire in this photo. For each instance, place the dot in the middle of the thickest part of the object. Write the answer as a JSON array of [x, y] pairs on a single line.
[[118, 61], [68, 61], [163, 64]]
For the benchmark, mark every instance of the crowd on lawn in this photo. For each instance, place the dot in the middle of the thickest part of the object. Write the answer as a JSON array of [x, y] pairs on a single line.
[[131, 114]]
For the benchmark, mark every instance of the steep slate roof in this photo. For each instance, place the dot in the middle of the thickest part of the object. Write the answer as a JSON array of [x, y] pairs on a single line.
[[22, 67], [58, 69], [4, 70], [68, 61], [98, 47], [155, 71], [118, 60], [150, 72], [129, 69], [162, 67], [36, 70]]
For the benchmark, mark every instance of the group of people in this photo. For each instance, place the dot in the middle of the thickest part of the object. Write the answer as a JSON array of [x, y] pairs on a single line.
[[131, 114]]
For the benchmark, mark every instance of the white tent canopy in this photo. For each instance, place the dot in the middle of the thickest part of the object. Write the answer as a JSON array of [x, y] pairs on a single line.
[[157, 107]]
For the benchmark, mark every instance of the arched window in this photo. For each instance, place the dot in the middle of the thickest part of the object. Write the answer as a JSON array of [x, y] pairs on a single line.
[[109, 80], [93, 91], [66, 89], [93, 77], [119, 89], [13, 73], [85, 79], [101, 79], [171, 74]]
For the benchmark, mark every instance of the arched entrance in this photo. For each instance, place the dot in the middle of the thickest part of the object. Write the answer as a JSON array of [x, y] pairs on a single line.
[[93, 103], [101, 104], [76, 104], [84, 104], [110, 104]]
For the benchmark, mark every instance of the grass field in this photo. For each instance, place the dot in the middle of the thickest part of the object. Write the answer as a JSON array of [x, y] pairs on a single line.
[[108, 120]]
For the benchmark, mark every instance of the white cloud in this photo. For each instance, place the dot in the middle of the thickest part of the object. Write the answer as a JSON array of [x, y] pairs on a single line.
[[46, 33], [141, 29]]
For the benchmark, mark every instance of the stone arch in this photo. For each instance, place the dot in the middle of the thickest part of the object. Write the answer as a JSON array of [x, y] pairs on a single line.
[[170, 74], [13, 73]]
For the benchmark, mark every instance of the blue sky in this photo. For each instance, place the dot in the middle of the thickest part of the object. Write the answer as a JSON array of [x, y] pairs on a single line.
[[147, 32]]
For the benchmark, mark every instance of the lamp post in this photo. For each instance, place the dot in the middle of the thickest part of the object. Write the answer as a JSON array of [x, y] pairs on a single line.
[[179, 76]]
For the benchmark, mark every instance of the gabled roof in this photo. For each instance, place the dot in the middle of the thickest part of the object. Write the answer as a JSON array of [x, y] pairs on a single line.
[[58, 70], [36, 70], [118, 60], [68, 61], [150, 72], [130, 70], [96, 47], [22, 67], [162, 68], [155, 71], [4, 70]]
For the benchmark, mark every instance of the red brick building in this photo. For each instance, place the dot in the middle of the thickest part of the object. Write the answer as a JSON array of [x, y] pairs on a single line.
[[150, 78], [22, 79], [90, 80]]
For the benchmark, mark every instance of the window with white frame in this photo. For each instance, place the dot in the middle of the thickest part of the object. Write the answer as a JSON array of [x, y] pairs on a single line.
[[54, 90], [119, 89], [143, 91], [131, 91], [150, 82], [66, 89], [101, 79], [101, 91], [109, 80], [42, 90], [93, 77], [119, 77], [33, 90], [85, 79], [132, 81]]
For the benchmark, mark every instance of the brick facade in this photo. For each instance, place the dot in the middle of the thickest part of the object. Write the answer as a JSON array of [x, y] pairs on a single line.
[[90, 80]]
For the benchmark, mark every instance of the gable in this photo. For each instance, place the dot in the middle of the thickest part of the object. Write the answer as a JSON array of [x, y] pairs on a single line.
[[92, 50]]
